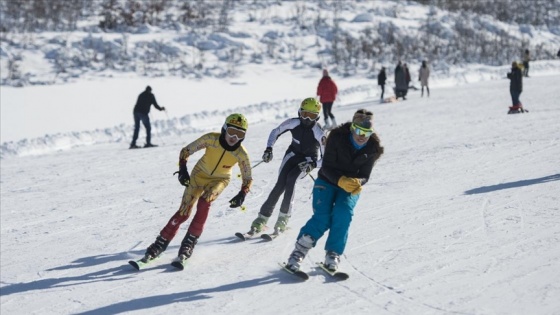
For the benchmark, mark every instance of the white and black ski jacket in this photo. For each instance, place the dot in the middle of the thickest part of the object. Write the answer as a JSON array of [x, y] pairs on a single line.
[[307, 141]]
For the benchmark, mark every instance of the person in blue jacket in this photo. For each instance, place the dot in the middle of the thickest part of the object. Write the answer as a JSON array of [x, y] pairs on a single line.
[[350, 154]]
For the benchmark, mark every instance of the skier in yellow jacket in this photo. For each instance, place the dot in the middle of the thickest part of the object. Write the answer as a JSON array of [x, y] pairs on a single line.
[[208, 178]]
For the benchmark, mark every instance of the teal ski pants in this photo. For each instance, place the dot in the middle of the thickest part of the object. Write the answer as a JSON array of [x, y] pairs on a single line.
[[333, 209]]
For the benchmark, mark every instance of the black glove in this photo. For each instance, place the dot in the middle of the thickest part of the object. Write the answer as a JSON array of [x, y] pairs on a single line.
[[184, 177], [267, 155], [307, 166], [237, 201]]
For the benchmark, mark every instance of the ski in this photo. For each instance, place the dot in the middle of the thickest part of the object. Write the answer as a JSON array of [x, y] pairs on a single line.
[[269, 237], [300, 274], [339, 275], [142, 263], [179, 262], [245, 236], [249, 235]]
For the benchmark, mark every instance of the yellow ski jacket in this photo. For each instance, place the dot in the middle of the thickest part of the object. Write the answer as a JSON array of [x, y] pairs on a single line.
[[217, 162]]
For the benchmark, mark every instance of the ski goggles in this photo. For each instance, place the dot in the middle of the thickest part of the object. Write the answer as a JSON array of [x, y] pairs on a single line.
[[360, 131], [308, 115], [235, 133]]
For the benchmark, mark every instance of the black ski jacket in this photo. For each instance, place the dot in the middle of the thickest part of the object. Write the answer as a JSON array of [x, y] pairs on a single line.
[[516, 80], [145, 100], [381, 77], [343, 159]]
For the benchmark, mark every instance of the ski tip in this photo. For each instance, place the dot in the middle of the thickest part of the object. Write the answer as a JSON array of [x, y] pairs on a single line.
[[178, 265], [338, 275], [300, 274], [267, 237], [240, 236], [134, 264]]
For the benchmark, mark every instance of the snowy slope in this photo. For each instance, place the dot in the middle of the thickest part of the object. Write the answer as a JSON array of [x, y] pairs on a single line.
[[461, 216]]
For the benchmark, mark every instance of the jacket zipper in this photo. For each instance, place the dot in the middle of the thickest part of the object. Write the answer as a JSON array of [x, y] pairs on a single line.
[[218, 163]]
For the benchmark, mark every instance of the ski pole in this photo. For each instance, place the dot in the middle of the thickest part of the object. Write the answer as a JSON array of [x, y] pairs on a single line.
[[252, 167], [157, 132], [313, 178]]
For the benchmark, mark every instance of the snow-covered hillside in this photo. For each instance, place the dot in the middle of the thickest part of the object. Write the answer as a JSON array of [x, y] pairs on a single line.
[[461, 216], [353, 38]]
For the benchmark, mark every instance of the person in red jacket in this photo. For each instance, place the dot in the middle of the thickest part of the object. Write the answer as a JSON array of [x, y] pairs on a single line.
[[326, 93]]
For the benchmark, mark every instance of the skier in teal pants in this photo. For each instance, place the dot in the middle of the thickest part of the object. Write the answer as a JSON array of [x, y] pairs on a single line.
[[350, 154]]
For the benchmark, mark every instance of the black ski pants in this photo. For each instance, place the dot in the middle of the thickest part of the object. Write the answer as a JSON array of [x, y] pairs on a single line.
[[288, 175]]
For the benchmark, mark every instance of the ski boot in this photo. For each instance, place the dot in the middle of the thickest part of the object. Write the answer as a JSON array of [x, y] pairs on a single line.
[[259, 224], [187, 246], [281, 223], [155, 249], [332, 260], [303, 245]]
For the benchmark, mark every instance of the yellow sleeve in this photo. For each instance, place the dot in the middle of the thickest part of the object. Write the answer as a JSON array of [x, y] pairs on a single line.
[[197, 145], [245, 167]]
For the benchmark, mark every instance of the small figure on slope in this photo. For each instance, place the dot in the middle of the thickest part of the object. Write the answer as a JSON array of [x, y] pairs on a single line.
[[208, 178], [301, 157], [423, 75], [350, 154], [381, 80], [326, 93], [401, 83], [515, 88], [141, 110]]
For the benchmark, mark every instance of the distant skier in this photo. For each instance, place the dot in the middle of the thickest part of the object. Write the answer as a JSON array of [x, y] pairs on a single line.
[[208, 178], [302, 156], [526, 59], [401, 85], [141, 111], [515, 88], [381, 79], [423, 75], [407, 76], [350, 154], [326, 93]]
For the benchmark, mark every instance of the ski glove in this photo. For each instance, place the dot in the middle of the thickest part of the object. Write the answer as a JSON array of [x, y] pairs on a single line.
[[237, 201], [267, 155], [350, 184], [184, 177], [307, 166]]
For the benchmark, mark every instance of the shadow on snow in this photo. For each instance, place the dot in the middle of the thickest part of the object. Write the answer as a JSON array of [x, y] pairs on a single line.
[[527, 182], [188, 296]]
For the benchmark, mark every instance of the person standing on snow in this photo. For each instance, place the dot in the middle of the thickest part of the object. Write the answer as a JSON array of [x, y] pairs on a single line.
[[350, 154], [515, 84], [381, 79], [141, 111], [208, 178], [301, 157], [401, 85], [526, 59], [407, 76], [423, 75], [326, 93]]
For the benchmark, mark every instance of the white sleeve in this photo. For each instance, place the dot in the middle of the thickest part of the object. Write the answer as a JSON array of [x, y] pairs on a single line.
[[322, 139], [278, 131]]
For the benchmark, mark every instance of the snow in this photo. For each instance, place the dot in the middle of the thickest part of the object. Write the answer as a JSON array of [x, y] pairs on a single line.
[[461, 215]]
